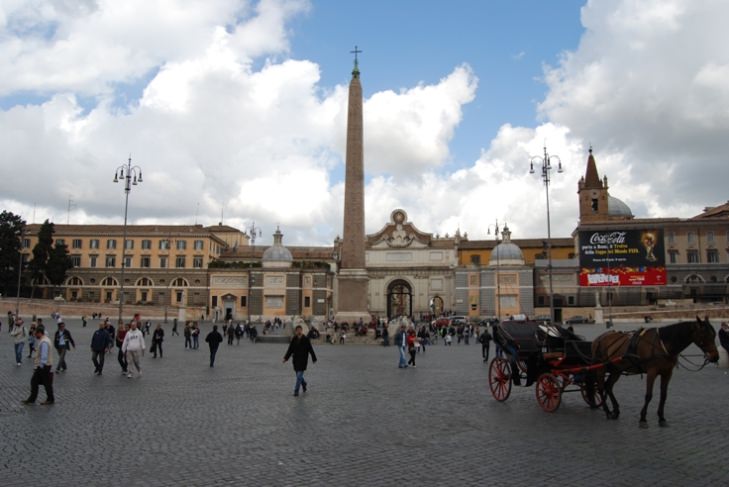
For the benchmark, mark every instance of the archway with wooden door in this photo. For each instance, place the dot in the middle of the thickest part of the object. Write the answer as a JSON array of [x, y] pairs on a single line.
[[399, 299]]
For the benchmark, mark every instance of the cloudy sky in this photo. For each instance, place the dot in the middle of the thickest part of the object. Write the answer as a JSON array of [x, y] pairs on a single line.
[[238, 108]]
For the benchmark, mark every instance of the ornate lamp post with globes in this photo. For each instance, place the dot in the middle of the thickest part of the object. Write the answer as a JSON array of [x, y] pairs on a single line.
[[546, 163], [131, 176]]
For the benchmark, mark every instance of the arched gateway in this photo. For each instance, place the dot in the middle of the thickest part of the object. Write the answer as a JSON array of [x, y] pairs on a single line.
[[399, 299]]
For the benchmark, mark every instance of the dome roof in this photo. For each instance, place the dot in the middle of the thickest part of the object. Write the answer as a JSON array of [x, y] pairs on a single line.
[[617, 208], [507, 252], [277, 255]]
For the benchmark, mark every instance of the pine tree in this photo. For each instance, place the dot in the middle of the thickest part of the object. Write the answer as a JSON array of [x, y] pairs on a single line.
[[11, 230], [58, 264], [41, 254]]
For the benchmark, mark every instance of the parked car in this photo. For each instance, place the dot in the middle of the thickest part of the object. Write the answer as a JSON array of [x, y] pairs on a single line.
[[543, 319], [577, 320], [458, 320]]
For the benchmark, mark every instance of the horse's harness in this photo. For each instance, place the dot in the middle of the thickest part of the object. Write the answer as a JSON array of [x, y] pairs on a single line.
[[631, 353]]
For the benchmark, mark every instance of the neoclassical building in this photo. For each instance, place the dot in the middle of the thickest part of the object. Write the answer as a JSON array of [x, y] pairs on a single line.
[[410, 272]]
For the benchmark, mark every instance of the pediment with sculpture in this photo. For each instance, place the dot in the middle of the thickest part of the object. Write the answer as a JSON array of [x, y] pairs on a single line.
[[399, 233]]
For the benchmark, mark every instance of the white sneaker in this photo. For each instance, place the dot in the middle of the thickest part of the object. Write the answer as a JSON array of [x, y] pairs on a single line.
[[129, 375], [19, 364]]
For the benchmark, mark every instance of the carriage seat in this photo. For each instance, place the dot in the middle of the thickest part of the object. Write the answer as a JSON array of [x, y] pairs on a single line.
[[552, 355]]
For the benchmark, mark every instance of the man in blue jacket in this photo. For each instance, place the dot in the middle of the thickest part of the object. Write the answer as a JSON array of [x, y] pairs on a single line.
[[100, 343]]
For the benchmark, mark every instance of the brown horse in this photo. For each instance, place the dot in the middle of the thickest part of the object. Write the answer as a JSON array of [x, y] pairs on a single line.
[[652, 351]]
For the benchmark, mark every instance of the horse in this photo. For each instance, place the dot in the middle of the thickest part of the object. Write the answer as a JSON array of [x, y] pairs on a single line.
[[651, 351]]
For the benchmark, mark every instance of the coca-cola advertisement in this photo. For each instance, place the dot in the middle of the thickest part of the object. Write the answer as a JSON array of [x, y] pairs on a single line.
[[622, 258]]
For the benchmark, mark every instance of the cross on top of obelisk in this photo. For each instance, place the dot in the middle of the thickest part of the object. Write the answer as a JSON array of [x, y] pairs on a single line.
[[355, 71]]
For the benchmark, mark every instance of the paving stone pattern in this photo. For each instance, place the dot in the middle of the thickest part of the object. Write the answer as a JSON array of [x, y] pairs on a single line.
[[363, 422]]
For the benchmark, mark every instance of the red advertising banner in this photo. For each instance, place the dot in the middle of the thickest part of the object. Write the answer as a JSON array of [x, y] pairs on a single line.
[[622, 258]]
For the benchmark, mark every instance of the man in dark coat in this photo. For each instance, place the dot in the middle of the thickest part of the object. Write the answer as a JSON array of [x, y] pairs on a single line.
[[100, 343], [724, 336], [300, 347], [485, 340], [62, 341], [214, 339]]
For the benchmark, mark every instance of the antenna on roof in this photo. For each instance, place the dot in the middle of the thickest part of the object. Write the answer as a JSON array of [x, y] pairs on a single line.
[[71, 204]]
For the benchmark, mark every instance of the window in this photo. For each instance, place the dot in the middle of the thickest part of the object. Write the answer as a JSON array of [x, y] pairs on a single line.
[[244, 301], [144, 281], [129, 244], [671, 237], [672, 256], [110, 261], [94, 243], [199, 245], [164, 244], [92, 260], [178, 296], [77, 243], [76, 260], [307, 302], [571, 300], [146, 244], [215, 301], [144, 295], [476, 259], [127, 261], [594, 205], [692, 256], [26, 243], [163, 262], [692, 238], [111, 244], [181, 244], [60, 241], [712, 256], [180, 261], [145, 261], [75, 281], [109, 282], [179, 282], [197, 262], [710, 236]]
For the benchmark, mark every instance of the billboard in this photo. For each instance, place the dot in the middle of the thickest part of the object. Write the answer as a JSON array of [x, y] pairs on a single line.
[[622, 258]]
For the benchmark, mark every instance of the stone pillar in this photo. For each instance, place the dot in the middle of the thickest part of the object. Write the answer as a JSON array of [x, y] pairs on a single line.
[[352, 280]]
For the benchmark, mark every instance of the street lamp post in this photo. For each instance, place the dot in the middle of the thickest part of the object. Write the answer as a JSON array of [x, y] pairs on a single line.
[[131, 176], [546, 162], [20, 274], [497, 231]]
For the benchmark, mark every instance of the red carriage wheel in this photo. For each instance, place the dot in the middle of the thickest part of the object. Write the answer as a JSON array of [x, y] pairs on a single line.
[[549, 392], [597, 398], [500, 379]]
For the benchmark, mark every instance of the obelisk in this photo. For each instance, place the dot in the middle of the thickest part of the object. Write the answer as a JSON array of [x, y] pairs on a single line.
[[352, 280]]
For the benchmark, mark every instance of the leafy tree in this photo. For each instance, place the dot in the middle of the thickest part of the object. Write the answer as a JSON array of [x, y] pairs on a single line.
[[58, 264], [11, 230], [41, 253]]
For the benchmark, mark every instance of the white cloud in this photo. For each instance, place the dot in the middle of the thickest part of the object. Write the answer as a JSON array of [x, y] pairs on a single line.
[[410, 131]]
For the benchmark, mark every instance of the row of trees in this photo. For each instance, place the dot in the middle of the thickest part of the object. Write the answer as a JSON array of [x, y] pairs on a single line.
[[50, 261]]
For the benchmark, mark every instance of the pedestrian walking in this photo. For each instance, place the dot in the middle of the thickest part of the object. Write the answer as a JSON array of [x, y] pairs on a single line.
[[83, 321], [31, 339], [238, 333], [18, 333], [133, 347], [485, 340], [401, 341], [63, 342], [195, 336], [157, 338], [188, 335], [110, 329], [410, 340], [121, 356], [174, 328], [214, 339], [724, 336], [231, 334], [42, 369], [300, 347], [100, 343]]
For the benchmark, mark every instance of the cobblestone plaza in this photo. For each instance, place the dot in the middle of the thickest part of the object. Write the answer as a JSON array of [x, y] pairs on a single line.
[[362, 422]]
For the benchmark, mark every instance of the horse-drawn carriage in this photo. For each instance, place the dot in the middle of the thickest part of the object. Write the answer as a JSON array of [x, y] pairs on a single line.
[[550, 356], [559, 361]]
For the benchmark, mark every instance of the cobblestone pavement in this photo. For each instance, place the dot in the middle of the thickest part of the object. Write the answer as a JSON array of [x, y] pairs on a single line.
[[363, 422]]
